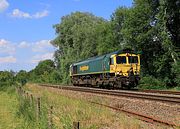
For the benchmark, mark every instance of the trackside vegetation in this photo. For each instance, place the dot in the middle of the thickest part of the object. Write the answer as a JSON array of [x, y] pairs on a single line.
[[8, 109], [67, 110], [17, 111], [151, 27]]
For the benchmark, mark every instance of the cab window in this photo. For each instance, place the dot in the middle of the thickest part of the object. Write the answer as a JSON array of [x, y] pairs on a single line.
[[112, 61], [121, 60], [74, 69], [133, 59]]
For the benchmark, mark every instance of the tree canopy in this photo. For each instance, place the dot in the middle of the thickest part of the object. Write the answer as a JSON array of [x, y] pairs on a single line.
[[150, 26]]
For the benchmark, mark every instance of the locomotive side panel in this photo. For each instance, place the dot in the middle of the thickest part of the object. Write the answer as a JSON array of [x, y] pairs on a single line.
[[92, 66]]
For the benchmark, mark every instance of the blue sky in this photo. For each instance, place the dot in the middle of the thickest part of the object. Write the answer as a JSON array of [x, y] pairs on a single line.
[[26, 27]]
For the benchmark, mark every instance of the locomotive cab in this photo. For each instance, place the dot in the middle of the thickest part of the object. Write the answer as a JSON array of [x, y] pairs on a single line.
[[126, 67]]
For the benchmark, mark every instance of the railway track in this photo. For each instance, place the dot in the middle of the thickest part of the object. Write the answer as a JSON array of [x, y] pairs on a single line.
[[161, 92], [175, 99]]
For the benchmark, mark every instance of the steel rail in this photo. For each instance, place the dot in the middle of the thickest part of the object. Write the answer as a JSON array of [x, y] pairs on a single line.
[[130, 94], [161, 92], [140, 116]]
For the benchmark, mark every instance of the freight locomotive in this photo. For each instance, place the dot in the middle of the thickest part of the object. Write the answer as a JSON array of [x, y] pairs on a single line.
[[119, 69]]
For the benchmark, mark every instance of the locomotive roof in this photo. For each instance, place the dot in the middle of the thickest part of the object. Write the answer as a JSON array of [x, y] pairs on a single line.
[[105, 55], [90, 59]]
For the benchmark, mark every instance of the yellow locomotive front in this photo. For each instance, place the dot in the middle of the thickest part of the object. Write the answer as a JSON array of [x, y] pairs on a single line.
[[126, 68]]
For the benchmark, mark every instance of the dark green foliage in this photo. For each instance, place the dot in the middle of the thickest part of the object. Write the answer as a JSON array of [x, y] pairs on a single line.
[[45, 72], [146, 28], [46, 66], [170, 12], [176, 72], [106, 39], [22, 77], [150, 82], [150, 26], [139, 31], [6, 79], [118, 20], [76, 40]]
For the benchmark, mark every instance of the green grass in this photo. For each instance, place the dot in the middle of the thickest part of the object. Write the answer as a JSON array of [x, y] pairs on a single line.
[[68, 110], [17, 112], [8, 109], [176, 88]]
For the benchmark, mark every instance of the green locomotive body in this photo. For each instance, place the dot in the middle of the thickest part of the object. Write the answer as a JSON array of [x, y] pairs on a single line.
[[92, 66], [116, 69]]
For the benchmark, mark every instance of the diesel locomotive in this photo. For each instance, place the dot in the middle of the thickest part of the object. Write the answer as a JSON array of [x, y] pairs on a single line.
[[119, 69]]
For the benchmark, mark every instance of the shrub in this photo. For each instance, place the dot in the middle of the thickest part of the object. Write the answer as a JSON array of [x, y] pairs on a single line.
[[176, 71], [149, 82]]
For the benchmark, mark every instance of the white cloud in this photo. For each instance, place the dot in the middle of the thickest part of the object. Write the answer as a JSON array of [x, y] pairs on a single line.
[[24, 52], [3, 5], [7, 59], [41, 46], [3, 42], [39, 58], [24, 44], [20, 14], [41, 14], [6, 52], [6, 47]]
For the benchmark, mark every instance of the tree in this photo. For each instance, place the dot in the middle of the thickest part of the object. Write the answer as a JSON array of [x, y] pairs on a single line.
[[42, 72], [140, 33], [118, 19], [6, 78], [169, 31], [22, 77], [105, 38], [153, 28], [76, 40]]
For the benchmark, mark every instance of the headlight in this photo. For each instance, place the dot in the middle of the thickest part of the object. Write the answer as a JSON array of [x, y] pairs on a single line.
[[136, 73]]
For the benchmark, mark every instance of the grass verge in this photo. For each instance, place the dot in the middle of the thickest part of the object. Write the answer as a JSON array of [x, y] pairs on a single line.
[[8, 109], [68, 110]]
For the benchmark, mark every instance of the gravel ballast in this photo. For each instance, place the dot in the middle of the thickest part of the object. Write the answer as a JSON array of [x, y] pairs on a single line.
[[163, 111]]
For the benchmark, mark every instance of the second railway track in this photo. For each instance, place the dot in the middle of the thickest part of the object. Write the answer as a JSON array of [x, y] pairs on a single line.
[[161, 92]]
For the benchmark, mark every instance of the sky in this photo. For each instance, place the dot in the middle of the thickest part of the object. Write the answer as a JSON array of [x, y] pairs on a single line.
[[26, 27]]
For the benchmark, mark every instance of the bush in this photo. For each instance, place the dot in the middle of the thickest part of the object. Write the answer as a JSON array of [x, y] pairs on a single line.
[[176, 71], [149, 82]]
